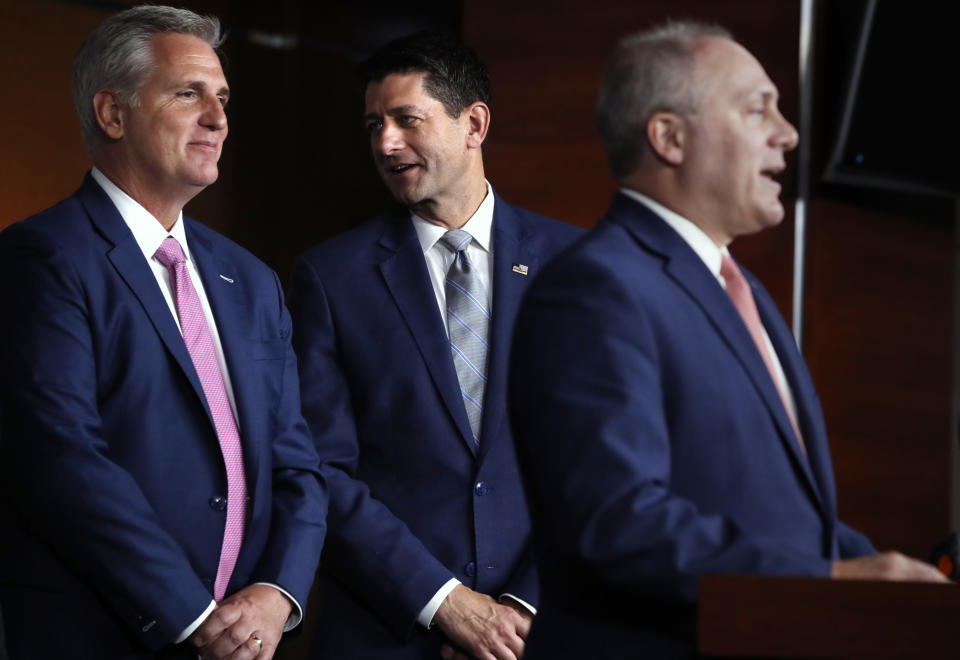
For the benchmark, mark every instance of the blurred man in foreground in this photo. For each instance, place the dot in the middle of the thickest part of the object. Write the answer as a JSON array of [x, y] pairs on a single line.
[[666, 422]]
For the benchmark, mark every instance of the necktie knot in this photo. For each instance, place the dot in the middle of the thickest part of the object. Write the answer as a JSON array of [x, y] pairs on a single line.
[[170, 253], [456, 240]]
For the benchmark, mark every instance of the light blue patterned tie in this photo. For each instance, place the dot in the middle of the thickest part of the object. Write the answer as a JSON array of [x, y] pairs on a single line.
[[468, 318]]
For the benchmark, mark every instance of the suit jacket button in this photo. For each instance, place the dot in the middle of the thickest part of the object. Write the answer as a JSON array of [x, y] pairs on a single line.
[[218, 503], [470, 569], [481, 488]]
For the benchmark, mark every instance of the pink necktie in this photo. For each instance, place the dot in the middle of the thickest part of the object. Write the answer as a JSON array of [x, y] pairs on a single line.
[[739, 291], [196, 334]]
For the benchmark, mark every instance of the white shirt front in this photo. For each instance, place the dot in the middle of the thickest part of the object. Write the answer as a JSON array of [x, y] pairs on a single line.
[[712, 257]]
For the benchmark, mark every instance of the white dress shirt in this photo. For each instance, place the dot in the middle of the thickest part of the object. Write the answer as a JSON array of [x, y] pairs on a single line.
[[439, 259], [479, 251], [712, 256], [149, 234]]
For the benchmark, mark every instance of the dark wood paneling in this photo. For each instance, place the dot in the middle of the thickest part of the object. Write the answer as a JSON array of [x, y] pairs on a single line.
[[42, 159], [833, 619], [879, 346]]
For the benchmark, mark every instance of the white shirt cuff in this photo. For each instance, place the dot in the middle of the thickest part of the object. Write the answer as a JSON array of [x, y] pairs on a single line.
[[425, 618], [196, 623], [296, 612], [527, 606]]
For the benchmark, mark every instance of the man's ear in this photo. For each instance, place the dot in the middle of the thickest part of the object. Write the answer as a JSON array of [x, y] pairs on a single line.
[[478, 121], [666, 134], [109, 112]]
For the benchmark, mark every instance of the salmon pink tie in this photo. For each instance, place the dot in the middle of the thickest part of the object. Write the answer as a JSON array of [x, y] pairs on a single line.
[[196, 335], [739, 291]]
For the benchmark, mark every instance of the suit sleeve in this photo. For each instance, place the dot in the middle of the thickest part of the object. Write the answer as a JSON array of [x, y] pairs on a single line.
[[66, 487], [524, 582], [299, 495], [853, 544], [371, 551], [587, 400]]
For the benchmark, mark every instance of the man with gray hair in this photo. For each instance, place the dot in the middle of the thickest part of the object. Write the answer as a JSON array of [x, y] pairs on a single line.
[[163, 494], [667, 425]]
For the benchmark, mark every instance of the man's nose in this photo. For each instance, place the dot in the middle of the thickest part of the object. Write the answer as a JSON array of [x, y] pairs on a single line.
[[214, 114], [389, 139], [786, 136]]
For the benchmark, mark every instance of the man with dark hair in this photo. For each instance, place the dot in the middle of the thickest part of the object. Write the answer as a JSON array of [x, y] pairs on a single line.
[[666, 423], [402, 327], [163, 491]]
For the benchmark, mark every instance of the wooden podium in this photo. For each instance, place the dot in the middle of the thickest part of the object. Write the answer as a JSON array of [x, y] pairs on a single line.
[[802, 618]]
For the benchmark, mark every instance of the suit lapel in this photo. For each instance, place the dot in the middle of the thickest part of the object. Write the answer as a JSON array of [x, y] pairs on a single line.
[[225, 301], [689, 272], [809, 419], [127, 258], [511, 249], [224, 290], [728, 322], [404, 271]]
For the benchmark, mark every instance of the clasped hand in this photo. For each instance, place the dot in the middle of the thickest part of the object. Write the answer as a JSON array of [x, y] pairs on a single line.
[[479, 628], [246, 625]]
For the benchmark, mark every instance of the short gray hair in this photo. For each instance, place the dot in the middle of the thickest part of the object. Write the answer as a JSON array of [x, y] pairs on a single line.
[[650, 72], [119, 56]]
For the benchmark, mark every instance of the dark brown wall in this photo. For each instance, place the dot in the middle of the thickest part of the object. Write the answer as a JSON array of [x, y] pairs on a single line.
[[42, 158], [879, 344], [879, 286]]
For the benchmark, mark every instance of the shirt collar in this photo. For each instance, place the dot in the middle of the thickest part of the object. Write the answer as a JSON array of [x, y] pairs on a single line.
[[146, 230], [479, 225], [696, 238]]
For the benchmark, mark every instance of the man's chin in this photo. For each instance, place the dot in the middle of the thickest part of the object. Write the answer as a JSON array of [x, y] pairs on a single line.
[[772, 215], [406, 196], [205, 177]]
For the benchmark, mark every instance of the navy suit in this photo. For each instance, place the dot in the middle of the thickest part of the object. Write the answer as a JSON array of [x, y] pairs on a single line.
[[111, 462], [655, 443], [412, 502]]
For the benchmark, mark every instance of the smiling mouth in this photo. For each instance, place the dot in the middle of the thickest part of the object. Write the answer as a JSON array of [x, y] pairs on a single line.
[[401, 168]]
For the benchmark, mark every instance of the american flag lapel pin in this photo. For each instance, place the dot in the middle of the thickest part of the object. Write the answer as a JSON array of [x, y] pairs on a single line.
[[520, 268]]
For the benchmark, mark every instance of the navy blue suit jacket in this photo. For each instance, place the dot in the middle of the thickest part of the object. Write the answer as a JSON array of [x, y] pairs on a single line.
[[655, 443], [111, 462], [412, 502]]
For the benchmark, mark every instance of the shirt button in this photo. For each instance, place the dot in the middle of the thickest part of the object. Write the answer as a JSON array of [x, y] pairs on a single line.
[[218, 503], [470, 569]]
